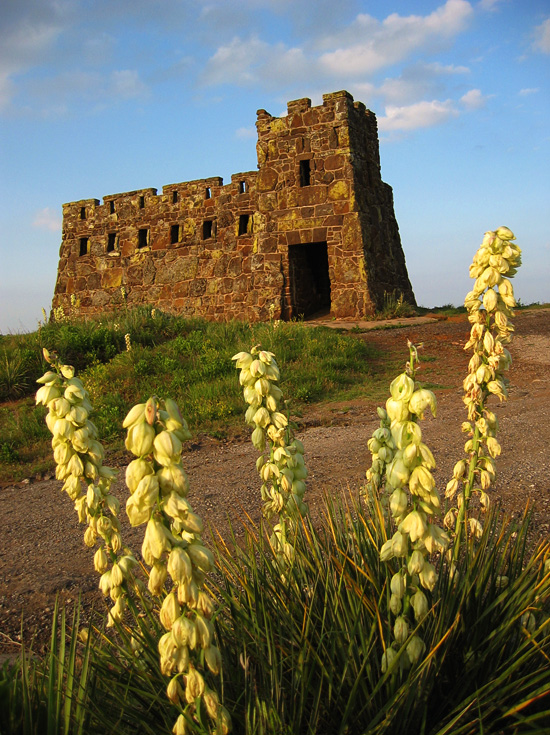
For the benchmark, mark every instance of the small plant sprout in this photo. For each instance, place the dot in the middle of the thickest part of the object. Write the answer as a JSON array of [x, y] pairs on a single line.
[[79, 459], [401, 471], [281, 465], [172, 547], [490, 305]]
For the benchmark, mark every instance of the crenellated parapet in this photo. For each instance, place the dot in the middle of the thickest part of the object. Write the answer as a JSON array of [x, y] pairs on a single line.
[[313, 229]]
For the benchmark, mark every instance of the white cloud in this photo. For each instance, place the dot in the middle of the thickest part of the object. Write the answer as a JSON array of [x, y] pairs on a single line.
[[126, 84], [528, 90], [246, 62], [245, 133], [489, 5], [418, 115], [473, 100], [418, 81], [47, 219], [235, 62], [542, 37], [370, 45]]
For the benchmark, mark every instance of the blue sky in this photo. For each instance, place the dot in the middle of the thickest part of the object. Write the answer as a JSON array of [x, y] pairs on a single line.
[[103, 96]]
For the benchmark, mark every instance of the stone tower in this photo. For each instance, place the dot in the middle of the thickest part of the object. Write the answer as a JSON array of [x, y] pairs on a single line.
[[312, 231]]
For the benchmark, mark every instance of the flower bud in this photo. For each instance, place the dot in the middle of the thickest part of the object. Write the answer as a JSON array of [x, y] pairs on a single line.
[[490, 300], [398, 502], [415, 649], [201, 557], [174, 692], [505, 234], [211, 702], [101, 562], [386, 552], [401, 630], [397, 584], [395, 604], [419, 604], [388, 658], [169, 611], [428, 577], [179, 565], [136, 471], [258, 439], [140, 439], [195, 685], [416, 562], [400, 544], [156, 538]]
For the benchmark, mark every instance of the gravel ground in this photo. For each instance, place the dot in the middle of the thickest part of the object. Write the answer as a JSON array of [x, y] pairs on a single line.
[[42, 554]]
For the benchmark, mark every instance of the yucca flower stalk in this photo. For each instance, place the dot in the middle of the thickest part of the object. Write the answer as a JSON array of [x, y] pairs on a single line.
[[490, 305], [281, 465], [172, 547], [401, 469], [79, 459]]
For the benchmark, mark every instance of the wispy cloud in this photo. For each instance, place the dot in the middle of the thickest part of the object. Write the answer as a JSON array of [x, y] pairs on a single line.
[[245, 133], [28, 29], [489, 5], [58, 95], [418, 81], [528, 90], [251, 61], [541, 36], [418, 115], [47, 219]]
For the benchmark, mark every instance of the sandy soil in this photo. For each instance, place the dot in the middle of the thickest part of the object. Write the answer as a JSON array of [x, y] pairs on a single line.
[[42, 553]]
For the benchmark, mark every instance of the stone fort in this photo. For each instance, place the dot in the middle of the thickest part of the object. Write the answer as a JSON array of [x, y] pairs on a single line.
[[312, 231]]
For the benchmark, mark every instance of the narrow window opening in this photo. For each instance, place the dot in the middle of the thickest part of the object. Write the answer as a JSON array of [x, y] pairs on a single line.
[[174, 234], [141, 202], [305, 172], [143, 238], [207, 229], [175, 197], [82, 212], [207, 193], [244, 224], [242, 187], [111, 207], [111, 242], [84, 246]]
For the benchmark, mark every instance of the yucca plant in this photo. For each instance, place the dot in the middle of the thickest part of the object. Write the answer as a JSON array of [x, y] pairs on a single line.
[[50, 695], [302, 655]]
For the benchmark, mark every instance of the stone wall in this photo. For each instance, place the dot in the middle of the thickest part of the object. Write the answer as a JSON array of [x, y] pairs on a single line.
[[312, 230]]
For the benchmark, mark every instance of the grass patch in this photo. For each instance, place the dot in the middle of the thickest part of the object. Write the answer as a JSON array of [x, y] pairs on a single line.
[[188, 360]]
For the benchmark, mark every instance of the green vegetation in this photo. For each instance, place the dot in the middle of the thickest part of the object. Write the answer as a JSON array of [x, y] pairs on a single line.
[[302, 653], [186, 359]]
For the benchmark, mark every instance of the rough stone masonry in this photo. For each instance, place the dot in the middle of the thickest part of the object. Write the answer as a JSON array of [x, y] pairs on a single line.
[[312, 231]]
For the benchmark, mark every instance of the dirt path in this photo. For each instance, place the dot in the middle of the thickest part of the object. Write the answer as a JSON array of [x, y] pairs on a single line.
[[41, 549]]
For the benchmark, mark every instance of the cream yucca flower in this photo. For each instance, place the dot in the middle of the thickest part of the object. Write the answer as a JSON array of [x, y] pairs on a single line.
[[172, 547], [401, 473], [489, 305], [79, 458], [281, 466]]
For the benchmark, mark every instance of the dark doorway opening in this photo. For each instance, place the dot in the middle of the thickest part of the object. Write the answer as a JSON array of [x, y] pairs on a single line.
[[309, 278]]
